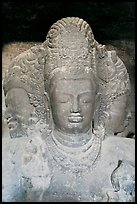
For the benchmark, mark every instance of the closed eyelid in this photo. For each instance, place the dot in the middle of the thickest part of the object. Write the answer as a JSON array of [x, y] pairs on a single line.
[[86, 96], [86, 92], [63, 98], [66, 96]]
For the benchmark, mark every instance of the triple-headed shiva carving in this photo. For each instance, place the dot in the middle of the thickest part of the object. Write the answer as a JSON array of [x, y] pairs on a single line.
[[65, 101]]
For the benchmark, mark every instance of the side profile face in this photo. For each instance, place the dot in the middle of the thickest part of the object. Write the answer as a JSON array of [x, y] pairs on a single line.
[[119, 114], [72, 104]]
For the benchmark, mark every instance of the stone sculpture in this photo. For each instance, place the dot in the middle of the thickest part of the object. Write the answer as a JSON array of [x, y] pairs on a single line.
[[57, 98]]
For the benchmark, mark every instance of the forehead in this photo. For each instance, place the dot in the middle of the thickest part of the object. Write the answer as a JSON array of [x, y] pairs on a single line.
[[71, 82], [73, 85]]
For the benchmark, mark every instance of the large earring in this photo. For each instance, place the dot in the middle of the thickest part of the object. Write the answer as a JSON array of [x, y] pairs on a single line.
[[49, 119], [95, 120]]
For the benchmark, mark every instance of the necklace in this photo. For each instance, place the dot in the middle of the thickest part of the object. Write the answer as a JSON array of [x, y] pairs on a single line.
[[74, 158]]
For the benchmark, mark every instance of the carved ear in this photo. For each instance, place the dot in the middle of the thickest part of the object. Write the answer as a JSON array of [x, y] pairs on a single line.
[[96, 109], [46, 98], [48, 109], [47, 101]]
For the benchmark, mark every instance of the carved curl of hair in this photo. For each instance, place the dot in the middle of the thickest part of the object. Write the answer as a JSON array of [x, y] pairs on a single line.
[[63, 24]]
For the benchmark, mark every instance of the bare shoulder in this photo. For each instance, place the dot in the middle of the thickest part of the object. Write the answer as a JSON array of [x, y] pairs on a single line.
[[122, 148]]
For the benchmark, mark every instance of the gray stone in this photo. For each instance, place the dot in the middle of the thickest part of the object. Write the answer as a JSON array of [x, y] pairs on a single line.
[[66, 103]]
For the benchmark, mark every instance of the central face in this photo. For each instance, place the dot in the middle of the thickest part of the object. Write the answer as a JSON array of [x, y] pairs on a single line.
[[72, 105]]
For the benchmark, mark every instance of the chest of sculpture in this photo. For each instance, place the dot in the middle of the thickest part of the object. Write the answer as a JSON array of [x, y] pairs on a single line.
[[60, 100]]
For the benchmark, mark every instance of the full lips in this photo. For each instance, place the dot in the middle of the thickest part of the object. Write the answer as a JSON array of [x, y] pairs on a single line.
[[75, 119]]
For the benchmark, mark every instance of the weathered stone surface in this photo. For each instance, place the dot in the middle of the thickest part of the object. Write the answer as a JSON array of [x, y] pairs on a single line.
[[62, 99], [42, 175]]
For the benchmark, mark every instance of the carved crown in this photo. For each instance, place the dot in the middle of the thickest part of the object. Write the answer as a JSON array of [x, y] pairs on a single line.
[[70, 47]]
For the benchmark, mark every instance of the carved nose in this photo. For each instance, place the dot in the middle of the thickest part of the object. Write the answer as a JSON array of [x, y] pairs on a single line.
[[75, 106]]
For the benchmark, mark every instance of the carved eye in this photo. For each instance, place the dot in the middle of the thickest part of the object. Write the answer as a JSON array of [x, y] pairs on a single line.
[[87, 100], [63, 99]]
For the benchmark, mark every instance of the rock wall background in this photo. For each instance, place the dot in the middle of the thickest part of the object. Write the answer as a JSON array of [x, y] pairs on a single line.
[[30, 21]]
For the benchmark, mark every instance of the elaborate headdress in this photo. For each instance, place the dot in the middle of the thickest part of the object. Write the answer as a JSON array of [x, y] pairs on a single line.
[[70, 48]]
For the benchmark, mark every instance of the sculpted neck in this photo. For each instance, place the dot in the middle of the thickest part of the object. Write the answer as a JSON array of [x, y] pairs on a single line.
[[72, 140]]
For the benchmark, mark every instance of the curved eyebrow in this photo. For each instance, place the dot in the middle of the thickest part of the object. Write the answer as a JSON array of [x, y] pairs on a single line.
[[87, 92], [84, 92]]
